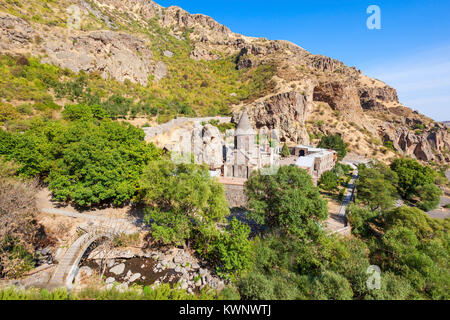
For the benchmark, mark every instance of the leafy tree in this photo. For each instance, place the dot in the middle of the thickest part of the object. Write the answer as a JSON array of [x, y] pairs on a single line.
[[84, 112], [184, 204], [336, 143], [359, 218], [416, 247], [234, 248], [99, 163], [412, 175], [287, 200], [90, 162], [430, 196], [285, 152], [329, 181], [376, 187]]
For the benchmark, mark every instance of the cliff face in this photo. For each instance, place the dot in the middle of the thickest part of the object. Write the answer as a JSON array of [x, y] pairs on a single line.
[[309, 95]]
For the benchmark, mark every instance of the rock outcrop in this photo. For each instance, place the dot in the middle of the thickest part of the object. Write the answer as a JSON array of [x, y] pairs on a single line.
[[286, 112], [302, 81], [114, 54], [14, 32], [426, 146]]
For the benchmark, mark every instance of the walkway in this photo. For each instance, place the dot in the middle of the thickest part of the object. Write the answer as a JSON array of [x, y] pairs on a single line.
[[68, 266], [337, 223]]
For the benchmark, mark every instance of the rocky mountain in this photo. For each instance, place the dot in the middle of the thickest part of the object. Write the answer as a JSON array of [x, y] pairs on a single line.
[[190, 61]]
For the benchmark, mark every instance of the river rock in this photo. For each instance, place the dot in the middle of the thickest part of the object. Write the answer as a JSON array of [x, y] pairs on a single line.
[[118, 270], [110, 263], [110, 280], [134, 277], [129, 274]]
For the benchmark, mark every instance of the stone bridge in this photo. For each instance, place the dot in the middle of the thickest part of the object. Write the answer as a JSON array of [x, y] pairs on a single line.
[[68, 266]]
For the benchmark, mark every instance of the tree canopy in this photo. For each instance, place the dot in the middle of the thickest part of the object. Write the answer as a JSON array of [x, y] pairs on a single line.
[[376, 186], [88, 161], [417, 180], [336, 143], [287, 200]]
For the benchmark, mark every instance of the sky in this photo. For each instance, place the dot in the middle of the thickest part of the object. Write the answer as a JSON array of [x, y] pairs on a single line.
[[411, 51]]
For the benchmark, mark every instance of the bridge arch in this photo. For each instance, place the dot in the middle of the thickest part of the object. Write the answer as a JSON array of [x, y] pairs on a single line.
[[68, 266]]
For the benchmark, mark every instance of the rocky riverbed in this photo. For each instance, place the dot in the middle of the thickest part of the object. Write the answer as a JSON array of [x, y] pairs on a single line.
[[123, 268]]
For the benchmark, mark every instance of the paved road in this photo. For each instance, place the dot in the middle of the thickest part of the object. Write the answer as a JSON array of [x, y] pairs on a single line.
[[338, 223], [349, 194], [441, 212]]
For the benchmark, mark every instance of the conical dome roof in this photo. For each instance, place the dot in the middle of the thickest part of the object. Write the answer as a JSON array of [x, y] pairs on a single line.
[[245, 127]]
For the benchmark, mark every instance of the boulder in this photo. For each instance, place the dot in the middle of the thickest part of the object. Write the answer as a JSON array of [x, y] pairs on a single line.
[[118, 270], [134, 277], [160, 71], [168, 54]]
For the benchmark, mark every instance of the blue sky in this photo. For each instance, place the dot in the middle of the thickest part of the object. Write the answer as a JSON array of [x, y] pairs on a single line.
[[411, 52]]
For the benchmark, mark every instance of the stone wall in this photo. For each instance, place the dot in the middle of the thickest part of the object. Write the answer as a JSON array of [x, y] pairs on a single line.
[[235, 196], [168, 126]]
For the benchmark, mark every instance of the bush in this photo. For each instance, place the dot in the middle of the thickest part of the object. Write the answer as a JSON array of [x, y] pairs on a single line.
[[336, 143], [184, 203], [288, 201], [234, 248], [285, 152], [412, 175], [8, 112]]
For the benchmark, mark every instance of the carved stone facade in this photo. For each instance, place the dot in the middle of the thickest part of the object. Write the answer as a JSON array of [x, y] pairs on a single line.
[[247, 151]]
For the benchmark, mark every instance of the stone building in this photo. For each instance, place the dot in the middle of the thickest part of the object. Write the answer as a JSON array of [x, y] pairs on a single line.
[[246, 150], [315, 160]]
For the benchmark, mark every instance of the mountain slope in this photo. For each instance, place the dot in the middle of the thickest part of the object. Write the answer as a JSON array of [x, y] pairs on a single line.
[[170, 62]]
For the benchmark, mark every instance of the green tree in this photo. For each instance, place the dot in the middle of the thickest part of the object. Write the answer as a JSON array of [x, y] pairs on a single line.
[[336, 143], [287, 200], [359, 218], [329, 181], [376, 187], [99, 163], [234, 248], [430, 197], [285, 152], [184, 204], [411, 176]]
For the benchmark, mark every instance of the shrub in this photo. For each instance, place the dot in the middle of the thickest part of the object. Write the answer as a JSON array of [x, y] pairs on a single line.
[[184, 203], [288, 201], [234, 248], [430, 197], [285, 152], [336, 143], [329, 181]]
